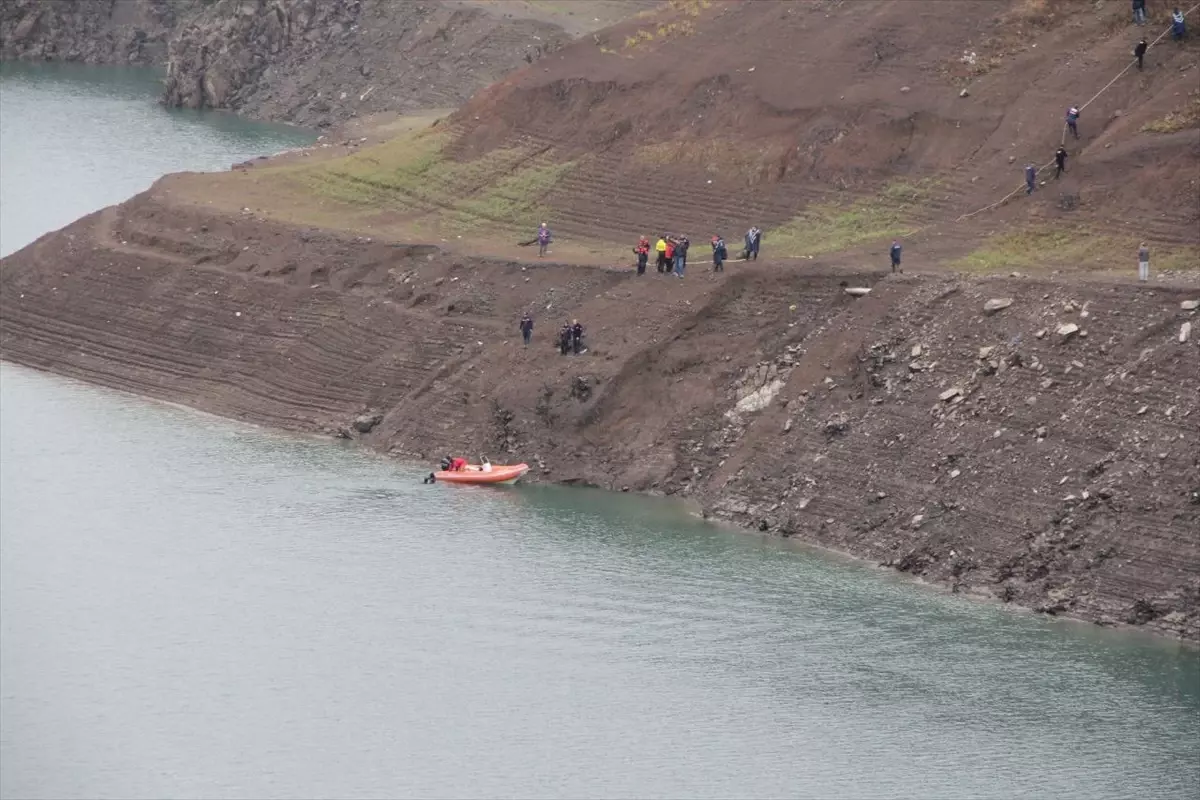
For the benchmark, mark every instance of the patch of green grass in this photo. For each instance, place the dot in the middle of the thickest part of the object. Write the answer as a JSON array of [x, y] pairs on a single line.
[[411, 182], [828, 228], [514, 200], [1186, 117], [413, 174], [1038, 248]]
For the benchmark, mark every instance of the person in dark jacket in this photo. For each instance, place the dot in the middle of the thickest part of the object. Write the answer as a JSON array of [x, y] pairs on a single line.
[[577, 337], [1060, 161], [564, 339], [681, 250], [753, 242], [1178, 26], [1140, 51], [543, 239], [1139, 12], [719, 254], [527, 328], [895, 251], [1030, 178]]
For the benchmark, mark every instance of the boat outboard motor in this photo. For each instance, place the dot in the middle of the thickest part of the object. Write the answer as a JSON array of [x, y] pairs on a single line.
[[445, 464]]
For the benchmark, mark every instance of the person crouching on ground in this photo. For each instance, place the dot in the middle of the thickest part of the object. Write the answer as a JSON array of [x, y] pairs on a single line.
[[527, 328], [895, 251], [719, 254], [643, 254]]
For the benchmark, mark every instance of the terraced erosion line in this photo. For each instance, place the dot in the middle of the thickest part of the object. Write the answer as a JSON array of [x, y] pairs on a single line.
[[1059, 472]]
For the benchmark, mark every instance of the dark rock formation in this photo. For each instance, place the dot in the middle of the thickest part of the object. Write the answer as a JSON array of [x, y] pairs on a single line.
[[90, 31]]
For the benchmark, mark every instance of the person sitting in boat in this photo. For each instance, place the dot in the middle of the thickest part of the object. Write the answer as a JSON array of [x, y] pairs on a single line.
[[484, 464], [458, 464]]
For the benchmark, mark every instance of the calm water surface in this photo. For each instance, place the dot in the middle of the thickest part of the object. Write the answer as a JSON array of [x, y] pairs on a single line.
[[193, 608]]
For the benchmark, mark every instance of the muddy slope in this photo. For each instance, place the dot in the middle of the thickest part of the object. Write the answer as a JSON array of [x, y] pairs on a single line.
[[1002, 454]]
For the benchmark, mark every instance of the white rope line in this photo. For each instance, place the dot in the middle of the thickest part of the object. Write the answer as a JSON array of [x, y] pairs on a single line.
[[1016, 191]]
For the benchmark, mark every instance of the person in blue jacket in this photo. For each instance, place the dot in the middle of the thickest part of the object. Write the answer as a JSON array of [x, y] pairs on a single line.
[[896, 256], [1030, 178], [719, 254]]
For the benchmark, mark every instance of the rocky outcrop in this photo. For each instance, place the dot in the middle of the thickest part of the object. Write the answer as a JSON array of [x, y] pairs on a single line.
[[309, 62], [90, 31], [314, 62]]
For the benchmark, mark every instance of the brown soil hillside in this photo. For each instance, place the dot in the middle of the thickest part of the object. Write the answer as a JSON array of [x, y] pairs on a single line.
[[843, 126], [807, 117]]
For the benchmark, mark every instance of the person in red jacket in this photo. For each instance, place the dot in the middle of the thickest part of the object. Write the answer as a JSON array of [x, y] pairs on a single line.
[[643, 254], [458, 464]]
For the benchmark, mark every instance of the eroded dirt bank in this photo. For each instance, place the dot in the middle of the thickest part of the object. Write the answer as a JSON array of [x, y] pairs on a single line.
[[989, 452]]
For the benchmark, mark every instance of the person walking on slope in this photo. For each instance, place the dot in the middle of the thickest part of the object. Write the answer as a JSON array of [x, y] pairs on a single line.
[[1060, 161], [527, 328], [1073, 120], [660, 247], [1143, 263], [1030, 178], [543, 239], [895, 251], [1140, 51], [719, 254], [1178, 26], [643, 254], [1139, 12], [681, 251]]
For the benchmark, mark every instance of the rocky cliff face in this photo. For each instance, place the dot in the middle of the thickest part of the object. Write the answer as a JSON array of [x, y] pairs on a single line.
[[90, 31], [310, 62], [319, 61]]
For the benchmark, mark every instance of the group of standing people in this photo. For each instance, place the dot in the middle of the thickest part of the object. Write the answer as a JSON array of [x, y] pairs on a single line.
[[570, 335], [672, 252]]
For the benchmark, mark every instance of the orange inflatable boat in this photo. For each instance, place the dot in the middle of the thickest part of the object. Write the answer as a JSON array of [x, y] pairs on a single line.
[[473, 473]]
